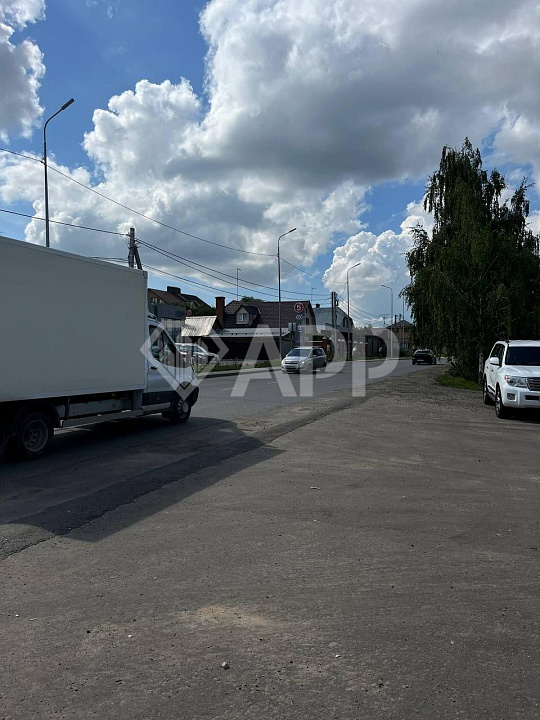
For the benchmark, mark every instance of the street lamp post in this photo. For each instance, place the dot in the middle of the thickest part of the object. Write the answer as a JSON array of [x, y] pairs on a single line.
[[64, 106], [349, 337], [391, 317], [279, 291]]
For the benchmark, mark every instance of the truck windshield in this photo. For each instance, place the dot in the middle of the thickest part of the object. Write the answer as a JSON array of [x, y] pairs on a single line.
[[523, 355]]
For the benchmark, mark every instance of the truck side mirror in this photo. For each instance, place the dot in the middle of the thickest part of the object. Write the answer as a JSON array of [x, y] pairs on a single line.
[[494, 360]]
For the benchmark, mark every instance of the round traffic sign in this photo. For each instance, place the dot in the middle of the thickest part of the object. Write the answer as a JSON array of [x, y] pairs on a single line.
[[298, 307]]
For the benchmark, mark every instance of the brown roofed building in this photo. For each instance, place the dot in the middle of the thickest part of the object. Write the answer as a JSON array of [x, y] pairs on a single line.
[[252, 327], [174, 296]]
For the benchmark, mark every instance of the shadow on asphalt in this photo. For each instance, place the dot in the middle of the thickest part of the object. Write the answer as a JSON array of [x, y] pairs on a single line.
[[526, 416], [95, 472]]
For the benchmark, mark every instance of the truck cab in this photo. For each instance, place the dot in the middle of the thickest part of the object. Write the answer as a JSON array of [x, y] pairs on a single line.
[[171, 383]]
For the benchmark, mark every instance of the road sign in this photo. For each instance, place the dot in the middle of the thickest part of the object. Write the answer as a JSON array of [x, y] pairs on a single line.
[[298, 317], [189, 313], [298, 307]]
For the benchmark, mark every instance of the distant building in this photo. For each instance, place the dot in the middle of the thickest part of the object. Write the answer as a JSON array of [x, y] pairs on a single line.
[[254, 326], [171, 307], [174, 296], [340, 322], [403, 331]]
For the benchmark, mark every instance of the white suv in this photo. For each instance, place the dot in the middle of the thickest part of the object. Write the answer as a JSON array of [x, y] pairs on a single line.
[[512, 376]]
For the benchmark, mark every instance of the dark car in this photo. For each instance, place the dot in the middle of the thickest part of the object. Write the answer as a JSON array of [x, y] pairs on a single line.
[[425, 357]]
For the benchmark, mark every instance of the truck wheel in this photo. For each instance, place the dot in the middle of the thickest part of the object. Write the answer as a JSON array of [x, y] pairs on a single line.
[[500, 410], [179, 411], [34, 435]]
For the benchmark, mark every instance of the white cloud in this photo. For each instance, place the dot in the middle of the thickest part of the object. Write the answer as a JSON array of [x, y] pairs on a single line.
[[309, 103], [381, 257], [22, 68]]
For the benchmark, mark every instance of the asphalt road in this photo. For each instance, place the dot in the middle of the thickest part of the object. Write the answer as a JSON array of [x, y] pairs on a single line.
[[351, 558], [234, 397], [92, 470]]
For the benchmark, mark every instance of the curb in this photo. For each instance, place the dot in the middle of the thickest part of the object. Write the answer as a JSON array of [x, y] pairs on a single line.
[[233, 373]]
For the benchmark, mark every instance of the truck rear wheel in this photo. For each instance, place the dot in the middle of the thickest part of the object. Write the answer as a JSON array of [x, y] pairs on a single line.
[[179, 411], [33, 437]]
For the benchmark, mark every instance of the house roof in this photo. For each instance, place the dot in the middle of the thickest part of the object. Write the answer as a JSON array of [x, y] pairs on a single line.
[[268, 312], [170, 298], [400, 324], [200, 326], [252, 309]]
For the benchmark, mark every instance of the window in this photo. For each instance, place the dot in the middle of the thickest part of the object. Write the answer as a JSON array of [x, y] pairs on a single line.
[[163, 349], [242, 317], [523, 355], [498, 351]]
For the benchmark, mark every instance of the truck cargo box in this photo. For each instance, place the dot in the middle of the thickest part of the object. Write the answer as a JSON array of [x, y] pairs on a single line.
[[69, 325]]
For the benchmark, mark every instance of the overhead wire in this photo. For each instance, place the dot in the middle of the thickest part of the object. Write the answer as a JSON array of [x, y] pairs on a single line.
[[190, 263], [136, 212], [59, 222], [228, 282], [146, 217], [355, 307], [151, 219]]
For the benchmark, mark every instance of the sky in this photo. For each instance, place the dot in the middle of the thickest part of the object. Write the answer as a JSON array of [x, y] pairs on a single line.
[[232, 122]]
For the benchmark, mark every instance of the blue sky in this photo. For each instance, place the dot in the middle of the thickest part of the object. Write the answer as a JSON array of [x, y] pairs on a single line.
[[323, 115]]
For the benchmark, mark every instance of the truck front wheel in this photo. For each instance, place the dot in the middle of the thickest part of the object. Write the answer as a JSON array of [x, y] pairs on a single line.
[[33, 436], [179, 411]]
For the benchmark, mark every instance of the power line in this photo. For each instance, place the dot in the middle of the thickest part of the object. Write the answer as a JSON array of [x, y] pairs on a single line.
[[355, 307], [184, 279], [191, 263], [151, 219], [226, 282], [148, 217], [59, 222], [140, 214], [318, 277]]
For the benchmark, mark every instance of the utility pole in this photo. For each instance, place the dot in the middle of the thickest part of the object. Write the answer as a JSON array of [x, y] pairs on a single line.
[[237, 271], [402, 321], [279, 293], [349, 321], [334, 321], [133, 254], [390, 335]]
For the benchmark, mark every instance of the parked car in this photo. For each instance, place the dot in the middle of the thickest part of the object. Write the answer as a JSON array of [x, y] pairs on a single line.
[[198, 354], [424, 356], [511, 378], [304, 359]]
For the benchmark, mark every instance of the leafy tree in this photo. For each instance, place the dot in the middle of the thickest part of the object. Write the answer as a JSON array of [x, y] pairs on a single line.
[[250, 299], [203, 310], [477, 278]]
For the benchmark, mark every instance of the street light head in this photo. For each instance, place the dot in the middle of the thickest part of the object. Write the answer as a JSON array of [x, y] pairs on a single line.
[[66, 105], [291, 230]]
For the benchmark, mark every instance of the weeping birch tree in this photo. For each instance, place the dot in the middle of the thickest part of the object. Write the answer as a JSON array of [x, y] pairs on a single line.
[[477, 278]]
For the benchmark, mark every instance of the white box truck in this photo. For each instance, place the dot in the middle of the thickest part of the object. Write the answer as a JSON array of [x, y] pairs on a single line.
[[77, 346]]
